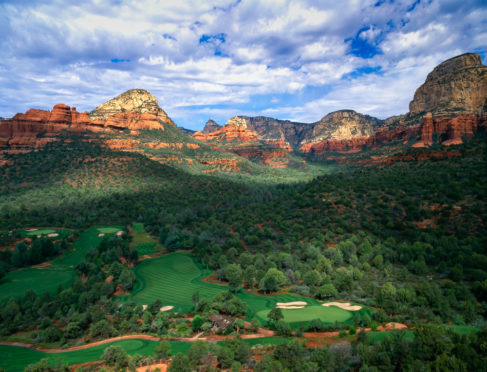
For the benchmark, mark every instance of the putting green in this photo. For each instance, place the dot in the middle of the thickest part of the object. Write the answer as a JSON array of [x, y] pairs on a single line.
[[109, 229], [326, 314], [15, 358], [41, 279]]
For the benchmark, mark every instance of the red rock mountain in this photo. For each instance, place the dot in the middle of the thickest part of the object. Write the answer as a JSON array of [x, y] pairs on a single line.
[[133, 110]]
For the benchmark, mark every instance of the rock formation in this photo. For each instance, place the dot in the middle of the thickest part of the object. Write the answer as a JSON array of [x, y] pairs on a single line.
[[234, 130], [456, 86], [211, 126], [134, 110]]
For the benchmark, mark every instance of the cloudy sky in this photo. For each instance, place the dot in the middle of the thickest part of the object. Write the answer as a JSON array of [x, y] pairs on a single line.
[[215, 59]]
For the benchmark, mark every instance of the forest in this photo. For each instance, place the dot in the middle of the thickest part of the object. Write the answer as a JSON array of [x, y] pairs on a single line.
[[407, 240]]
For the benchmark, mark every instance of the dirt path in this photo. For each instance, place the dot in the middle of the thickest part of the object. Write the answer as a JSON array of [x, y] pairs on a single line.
[[82, 347], [261, 334]]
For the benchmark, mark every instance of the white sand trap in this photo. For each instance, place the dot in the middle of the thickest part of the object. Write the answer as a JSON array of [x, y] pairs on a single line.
[[291, 305], [119, 233], [167, 308], [39, 236], [144, 307], [295, 303], [344, 305], [101, 235], [32, 230], [52, 235]]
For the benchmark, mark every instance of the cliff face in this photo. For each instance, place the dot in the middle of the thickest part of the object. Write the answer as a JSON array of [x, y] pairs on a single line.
[[343, 125], [456, 86]]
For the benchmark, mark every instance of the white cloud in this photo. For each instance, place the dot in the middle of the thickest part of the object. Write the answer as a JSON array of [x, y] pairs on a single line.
[[57, 52]]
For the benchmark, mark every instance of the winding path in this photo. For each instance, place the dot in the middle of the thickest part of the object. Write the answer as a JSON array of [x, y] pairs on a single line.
[[261, 334]]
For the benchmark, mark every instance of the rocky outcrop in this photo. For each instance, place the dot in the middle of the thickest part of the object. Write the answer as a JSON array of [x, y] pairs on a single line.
[[343, 125], [135, 107], [234, 130], [456, 86], [211, 126], [448, 130], [133, 110]]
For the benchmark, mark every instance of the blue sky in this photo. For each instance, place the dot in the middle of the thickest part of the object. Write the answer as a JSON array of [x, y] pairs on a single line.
[[215, 59]]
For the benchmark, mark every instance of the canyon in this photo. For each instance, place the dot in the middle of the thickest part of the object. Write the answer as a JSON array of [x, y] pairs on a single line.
[[451, 105]]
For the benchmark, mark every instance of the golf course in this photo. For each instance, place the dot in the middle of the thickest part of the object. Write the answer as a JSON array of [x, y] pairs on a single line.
[[59, 272], [174, 278]]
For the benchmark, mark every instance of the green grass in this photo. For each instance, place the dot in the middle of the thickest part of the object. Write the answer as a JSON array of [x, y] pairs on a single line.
[[41, 279], [143, 241], [87, 240], [15, 358], [109, 229], [173, 279], [267, 341], [44, 232], [327, 315]]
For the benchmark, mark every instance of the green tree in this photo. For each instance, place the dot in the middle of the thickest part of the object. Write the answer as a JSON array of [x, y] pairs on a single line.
[[327, 291], [115, 356], [275, 314], [180, 363], [233, 274], [162, 350], [272, 281]]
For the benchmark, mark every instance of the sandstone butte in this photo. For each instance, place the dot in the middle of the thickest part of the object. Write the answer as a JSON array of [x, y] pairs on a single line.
[[133, 110], [234, 130], [452, 101]]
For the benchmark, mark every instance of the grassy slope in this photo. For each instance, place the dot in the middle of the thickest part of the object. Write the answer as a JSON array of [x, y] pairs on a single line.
[[172, 278], [143, 241], [175, 277]]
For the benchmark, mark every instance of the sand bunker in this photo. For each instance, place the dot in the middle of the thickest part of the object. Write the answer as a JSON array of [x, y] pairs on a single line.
[[101, 235], [291, 305], [32, 230], [52, 235], [344, 305], [164, 308], [119, 233]]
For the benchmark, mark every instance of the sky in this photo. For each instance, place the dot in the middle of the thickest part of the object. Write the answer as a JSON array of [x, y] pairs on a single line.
[[296, 60]]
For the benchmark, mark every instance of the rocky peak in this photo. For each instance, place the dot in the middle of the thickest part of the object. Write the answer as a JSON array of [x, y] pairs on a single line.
[[211, 126], [456, 86], [455, 64], [343, 125], [237, 121], [133, 100]]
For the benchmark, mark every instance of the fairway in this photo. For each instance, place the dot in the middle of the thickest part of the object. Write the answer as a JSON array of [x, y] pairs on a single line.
[[173, 279], [325, 314], [143, 241], [15, 358], [39, 279], [87, 240]]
